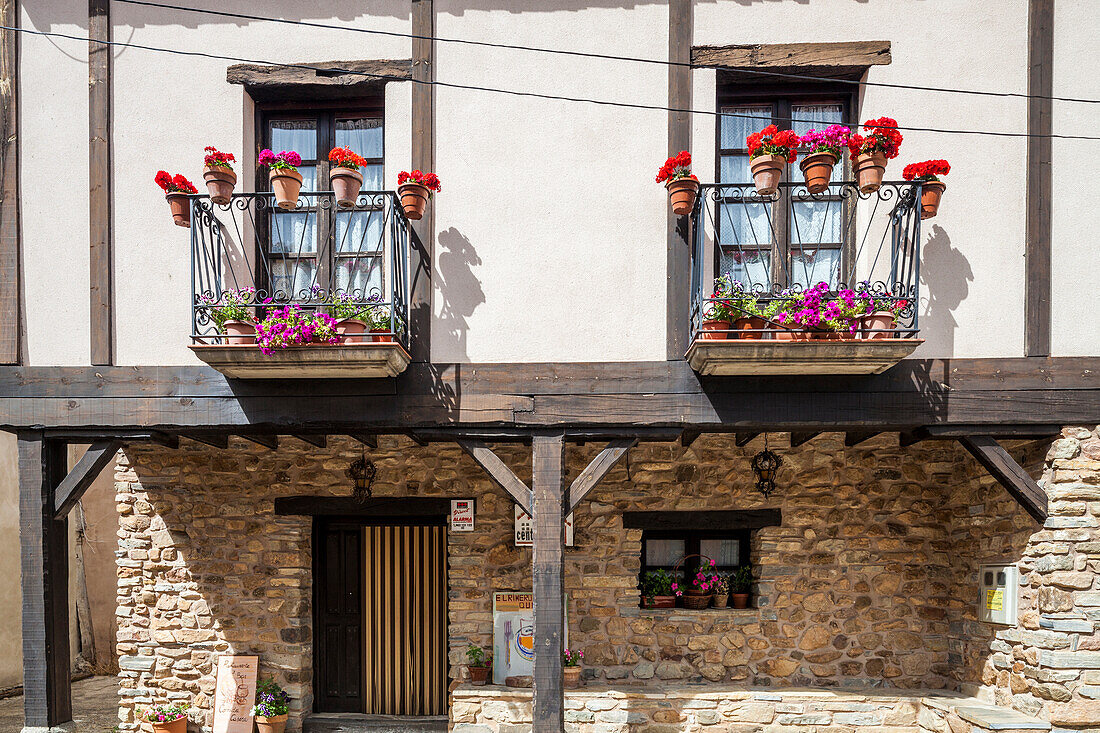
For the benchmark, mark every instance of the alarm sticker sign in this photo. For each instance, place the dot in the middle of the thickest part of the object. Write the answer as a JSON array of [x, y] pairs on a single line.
[[462, 515]]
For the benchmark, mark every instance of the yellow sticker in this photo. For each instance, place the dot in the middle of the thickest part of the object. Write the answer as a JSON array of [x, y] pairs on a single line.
[[995, 599]]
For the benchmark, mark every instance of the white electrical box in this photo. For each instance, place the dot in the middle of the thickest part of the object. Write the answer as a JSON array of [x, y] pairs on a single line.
[[997, 602]]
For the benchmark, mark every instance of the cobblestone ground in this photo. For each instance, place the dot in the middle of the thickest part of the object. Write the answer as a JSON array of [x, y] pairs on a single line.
[[95, 707]]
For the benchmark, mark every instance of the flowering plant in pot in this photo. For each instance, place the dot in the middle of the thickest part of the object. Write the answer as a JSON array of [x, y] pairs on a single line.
[[740, 585], [745, 308], [821, 315], [352, 316], [176, 189], [770, 150], [379, 322], [232, 314], [167, 718], [658, 589], [345, 177], [571, 662], [286, 180], [219, 176], [681, 184], [880, 317], [932, 188], [870, 152], [415, 189], [272, 707], [291, 326], [700, 587], [822, 153], [480, 666], [722, 592]]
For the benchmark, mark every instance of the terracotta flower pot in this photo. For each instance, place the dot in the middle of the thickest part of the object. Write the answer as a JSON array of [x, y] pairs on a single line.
[[179, 725], [767, 171], [740, 600], [817, 168], [869, 169], [239, 332], [930, 194], [286, 184], [219, 183], [790, 333], [571, 677], [715, 330], [479, 675], [180, 205], [350, 331], [750, 327], [825, 335], [659, 602], [414, 199], [346, 182], [873, 325], [381, 336], [276, 724], [681, 194]]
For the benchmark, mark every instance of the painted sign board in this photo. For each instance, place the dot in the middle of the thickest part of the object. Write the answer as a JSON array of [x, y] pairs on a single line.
[[462, 515], [234, 693], [525, 529], [514, 634]]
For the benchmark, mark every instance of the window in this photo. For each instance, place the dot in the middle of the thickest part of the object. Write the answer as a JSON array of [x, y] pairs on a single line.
[[797, 239], [316, 244], [664, 548]]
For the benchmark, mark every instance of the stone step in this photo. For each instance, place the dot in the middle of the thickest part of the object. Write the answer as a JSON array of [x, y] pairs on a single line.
[[356, 723]]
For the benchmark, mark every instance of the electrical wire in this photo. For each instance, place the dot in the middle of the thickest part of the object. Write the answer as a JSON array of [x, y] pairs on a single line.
[[604, 56], [518, 93]]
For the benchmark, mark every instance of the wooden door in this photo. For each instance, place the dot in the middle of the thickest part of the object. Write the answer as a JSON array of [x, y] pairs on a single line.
[[338, 598]]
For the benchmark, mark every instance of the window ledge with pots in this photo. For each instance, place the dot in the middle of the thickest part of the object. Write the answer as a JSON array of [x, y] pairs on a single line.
[[735, 357], [316, 361]]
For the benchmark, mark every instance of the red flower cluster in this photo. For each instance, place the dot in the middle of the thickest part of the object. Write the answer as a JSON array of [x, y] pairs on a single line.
[[773, 141], [429, 181], [929, 170], [174, 184], [882, 137], [216, 158], [676, 167], [345, 158]]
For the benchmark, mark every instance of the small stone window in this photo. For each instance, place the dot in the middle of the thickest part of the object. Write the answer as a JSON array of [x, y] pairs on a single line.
[[664, 549]]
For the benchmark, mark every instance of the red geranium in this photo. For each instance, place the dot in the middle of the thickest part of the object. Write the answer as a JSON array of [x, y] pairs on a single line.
[[345, 158], [676, 168], [174, 184], [929, 170], [429, 181], [216, 158], [882, 137], [773, 141]]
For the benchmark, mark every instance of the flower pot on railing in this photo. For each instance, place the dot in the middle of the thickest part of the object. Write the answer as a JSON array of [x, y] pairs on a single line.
[[381, 336], [767, 171], [219, 183], [750, 327], [346, 183], [414, 199], [276, 724], [239, 332], [286, 184], [715, 330], [879, 325], [930, 194], [180, 205], [681, 194], [870, 168], [817, 168], [351, 330]]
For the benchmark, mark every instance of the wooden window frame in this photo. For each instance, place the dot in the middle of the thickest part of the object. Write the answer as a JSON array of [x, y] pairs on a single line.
[[692, 541]]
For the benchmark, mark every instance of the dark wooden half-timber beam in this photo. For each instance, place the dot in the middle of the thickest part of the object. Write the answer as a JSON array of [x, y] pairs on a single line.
[[267, 441], [1038, 221], [798, 438], [1003, 432], [371, 441], [101, 258], [87, 469], [678, 245], [548, 558], [1008, 473], [855, 438], [422, 243], [367, 77], [499, 472], [318, 441], [688, 437], [214, 440], [11, 312], [744, 439], [595, 471]]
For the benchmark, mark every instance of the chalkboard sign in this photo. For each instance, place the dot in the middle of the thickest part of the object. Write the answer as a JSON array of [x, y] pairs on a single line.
[[235, 693]]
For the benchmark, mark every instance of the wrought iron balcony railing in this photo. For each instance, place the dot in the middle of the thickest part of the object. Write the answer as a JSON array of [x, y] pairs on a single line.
[[313, 256], [792, 240]]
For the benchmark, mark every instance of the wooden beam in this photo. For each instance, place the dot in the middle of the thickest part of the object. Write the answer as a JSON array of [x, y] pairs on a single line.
[[855, 438], [1009, 474], [910, 437], [805, 58], [371, 441], [100, 260], [318, 441], [214, 440], [1004, 432], [548, 556], [422, 244], [798, 438], [743, 439], [688, 437], [377, 507], [678, 239], [267, 441], [1038, 222], [499, 472], [11, 311], [87, 469], [44, 561], [709, 520], [417, 438], [597, 469], [266, 83]]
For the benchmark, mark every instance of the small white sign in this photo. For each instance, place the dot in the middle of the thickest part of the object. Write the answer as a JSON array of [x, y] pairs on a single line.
[[462, 515], [234, 693], [525, 529]]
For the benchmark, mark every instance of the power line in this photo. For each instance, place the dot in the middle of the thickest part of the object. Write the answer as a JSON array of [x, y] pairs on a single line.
[[519, 93], [604, 56]]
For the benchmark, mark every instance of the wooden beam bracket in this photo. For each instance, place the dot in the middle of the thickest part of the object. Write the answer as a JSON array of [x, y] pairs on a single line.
[[73, 486], [499, 472], [596, 470], [1008, 473]]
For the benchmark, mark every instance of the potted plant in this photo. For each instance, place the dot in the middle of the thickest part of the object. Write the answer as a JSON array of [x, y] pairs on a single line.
[[571, 661], [700, 587], [745, 309], [658, 589], [176, 189], [681, 185], [770, 150], [740, 585], [870, 152], [271, 708], [291, 326], [219, 176], [928, 174], [286, 180], [718, 311], [232, 314], [822, 154], [722, 592], [167, 718], [345, 177], [351, 317], [479, 666], [379, 323], [820, 315], [415, 189], [881, 313]]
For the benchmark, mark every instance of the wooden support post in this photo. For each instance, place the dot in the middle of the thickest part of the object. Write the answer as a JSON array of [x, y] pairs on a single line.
[[99, 183], [548, 470], [73, 486], [1009, 474], [1037, 226], [678, 254], [11, 311], [423, 158], [47, 686]]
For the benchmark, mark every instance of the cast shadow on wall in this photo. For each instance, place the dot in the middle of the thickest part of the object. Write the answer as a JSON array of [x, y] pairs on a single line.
[[458, 293], [945, 279]]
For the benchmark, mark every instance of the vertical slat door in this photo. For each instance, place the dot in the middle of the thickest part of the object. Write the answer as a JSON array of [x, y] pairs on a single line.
[[340, 620]]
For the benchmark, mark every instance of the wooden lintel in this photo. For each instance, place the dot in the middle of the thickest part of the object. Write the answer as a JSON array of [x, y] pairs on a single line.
[[708, 520], [366, 76], [268, 441], [421, 507], [855, 438], [743, 439], [795, 56], [86, 470], [798, 438], [597, 469], [371, 441], [214, 440], [499, 472], [1003, 467], [318, 441]]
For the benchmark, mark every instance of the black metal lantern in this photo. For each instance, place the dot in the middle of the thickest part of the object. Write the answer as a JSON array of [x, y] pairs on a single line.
[[765, 465], [362, 472]]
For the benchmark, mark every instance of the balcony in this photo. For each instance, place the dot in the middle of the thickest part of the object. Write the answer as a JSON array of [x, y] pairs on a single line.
[[319, 291], [764, 318]]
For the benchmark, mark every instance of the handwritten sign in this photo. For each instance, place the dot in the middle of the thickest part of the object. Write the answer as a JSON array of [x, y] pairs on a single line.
[[235, 693], [462, 515], [525, 529], [514, 634]]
